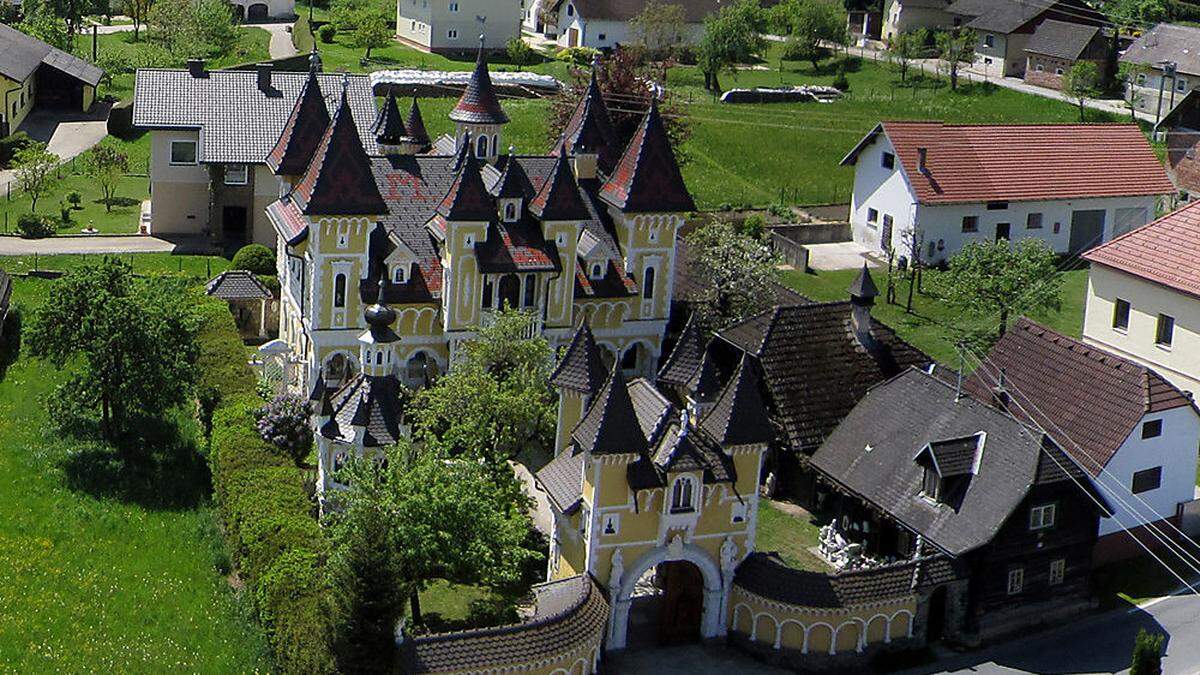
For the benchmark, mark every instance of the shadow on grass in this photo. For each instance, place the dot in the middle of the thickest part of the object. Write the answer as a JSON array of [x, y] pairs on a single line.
[[158, 468], [10, 340], [118, 202], [481, 613]]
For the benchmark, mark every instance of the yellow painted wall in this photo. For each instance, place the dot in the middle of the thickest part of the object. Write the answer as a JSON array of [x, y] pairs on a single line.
[[781, 626], [11, 92]]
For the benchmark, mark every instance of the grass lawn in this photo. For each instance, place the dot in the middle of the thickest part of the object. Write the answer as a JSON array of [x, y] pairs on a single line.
[[105, 571], [934, 327], [123, 218], [788, 535], [202, 267]]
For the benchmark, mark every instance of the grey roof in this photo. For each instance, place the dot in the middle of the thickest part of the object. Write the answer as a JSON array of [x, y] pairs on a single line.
[[739, 417], [1006, 16], [21, 54], [1167, 42], [562, 479], [765, 575], [610, 425], [580, 368], [685, 357], [237, 285], [369, 401], [239, 123], [1061, 39], [872, 454]]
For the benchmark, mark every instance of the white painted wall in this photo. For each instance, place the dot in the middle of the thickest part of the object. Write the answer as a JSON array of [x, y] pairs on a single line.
[[450, 25], [1145, 90], [276, 9], [599, 34], [1178, 363], [885, 190], [1175, 451]]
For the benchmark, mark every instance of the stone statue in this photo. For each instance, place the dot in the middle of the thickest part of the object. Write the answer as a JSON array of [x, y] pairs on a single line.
[[618, 569], [728, 554]]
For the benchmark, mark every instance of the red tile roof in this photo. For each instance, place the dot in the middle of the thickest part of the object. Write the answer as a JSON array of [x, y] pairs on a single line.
[[1087, 399], [1023, 162], [1166, 251], [647, 177]]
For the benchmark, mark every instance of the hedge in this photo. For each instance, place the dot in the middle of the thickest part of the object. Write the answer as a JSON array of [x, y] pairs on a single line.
[[302, 36], [274, 539]]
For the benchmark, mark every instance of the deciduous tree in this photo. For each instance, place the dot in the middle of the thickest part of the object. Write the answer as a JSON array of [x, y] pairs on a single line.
[[905, 48], [106, 164], [659, 27], [35, 170], [1081, 82], [738, 272], [371, 31], [955, 48], [731, 36]]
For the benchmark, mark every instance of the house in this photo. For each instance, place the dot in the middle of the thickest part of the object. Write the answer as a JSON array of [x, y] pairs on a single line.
[[1070, 185], [261, 10], [864, 25], [454, 28], [603, 24], [918, 468], [817, 360], [1056, 46], [1181, 130], [1130, 429], [1157, 88], [906, 15], [211, 136], [34, 74], [1143, 298], [1004, 28]]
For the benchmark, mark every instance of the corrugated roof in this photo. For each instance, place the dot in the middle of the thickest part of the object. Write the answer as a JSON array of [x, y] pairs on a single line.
[[1166, 251]]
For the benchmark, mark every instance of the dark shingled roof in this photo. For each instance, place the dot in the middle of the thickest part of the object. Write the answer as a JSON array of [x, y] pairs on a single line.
[[415, 125], [814, 368], [1061, 39], [370, 401], [689, 283], [569, 611], [562, 479], [589, 130], [580, 368], [21, 54], [479, 103], [1089, 400], [739, 416], [766, 575], [516, 247], [468, 198], [872, 455], [389, 126], [684, 360], [647, 177], [237, 285], [339, 180], [610, 425], [674, 448], [863, 285], [1007, 16], [303, 131], [513, 182], [559, 198]]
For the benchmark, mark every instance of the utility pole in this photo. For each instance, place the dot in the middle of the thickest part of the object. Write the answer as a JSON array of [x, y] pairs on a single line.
[[1167, 67]]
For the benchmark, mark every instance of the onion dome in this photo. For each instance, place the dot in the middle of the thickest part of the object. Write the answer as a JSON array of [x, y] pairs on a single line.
[[380, 315]]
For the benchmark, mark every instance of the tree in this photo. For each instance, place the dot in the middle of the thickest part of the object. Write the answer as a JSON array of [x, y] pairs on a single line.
[[659, 27], [105, 164], [285, 424], [907, 47], [130, 343], [1129, 74], [190, 28], [809, 25], [1081, 82], [34, 167], [42, 23], [955, 47], [519, 51], [731, 36], [1134, 14], [371, 31], [496, 402], [626, 81], [438, 517], [1147, 654], [137, 10], [997, 279], [739, 274], [913, 240], [254, 258]]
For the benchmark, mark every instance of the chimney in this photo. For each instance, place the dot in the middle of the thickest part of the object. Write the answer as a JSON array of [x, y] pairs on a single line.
[[1000, 391], [922, 155], [196, 68], [862, 297], [263, 70]]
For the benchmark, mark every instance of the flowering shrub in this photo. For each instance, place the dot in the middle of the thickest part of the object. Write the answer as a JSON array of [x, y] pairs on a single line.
[[284, 423]]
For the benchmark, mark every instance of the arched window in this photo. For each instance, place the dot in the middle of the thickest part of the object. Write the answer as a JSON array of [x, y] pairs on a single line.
[[682, 495], [339, 460], [481, 146], [398, 274], [510, 212], [339, 290], [648, 283], [486, 301], [570, 10], [597, 270], [530, 289]]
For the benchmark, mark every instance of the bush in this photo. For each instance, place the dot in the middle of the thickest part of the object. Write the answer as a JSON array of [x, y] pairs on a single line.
[[285, 424], [839, 81], [578, 56], [1147, 654], [221, 366], [302, 35], [519, 51], [74, 198], [327, 33], [11, 145], [35, 225], [256, 258], [753, 226]]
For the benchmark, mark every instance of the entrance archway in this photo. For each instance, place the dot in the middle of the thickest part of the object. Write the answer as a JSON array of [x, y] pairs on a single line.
[[683, 606], [257, 12]]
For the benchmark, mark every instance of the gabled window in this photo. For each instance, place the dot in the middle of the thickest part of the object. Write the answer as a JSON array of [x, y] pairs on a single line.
[[399, 274], [682, 495], [1042, 517], [510, 212]]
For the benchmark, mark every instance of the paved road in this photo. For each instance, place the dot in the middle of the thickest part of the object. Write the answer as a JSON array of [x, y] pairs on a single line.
[[10, 245], [65, 134], [281, 39]]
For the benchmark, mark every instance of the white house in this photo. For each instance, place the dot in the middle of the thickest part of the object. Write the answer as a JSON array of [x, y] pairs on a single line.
[[1143, 299], [1154, 87], [452, 26], [1134, 432], [905, 15], [1071, 185], [603, 24]]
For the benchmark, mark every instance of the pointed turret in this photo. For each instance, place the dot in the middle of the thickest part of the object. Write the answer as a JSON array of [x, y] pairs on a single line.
[[339, 180], [479, 104], [389, 127], [514, 182], [685, 358], [415, 125], [589, 131], [303, 131], [468, 198], [580, 369], [610, 426], [647, 178], [863, 288], [559, 198], [739, 417], [862, 297]]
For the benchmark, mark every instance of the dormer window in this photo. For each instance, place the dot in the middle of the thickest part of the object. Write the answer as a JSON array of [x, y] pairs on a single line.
[[930, 484], [948, 466], [683, 495], [399, 274], [597, 271], [510, 209]]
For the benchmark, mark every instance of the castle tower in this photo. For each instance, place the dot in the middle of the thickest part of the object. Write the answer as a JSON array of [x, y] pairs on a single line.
[[589, 137], [578, 377], [302, 132], [479, 114]]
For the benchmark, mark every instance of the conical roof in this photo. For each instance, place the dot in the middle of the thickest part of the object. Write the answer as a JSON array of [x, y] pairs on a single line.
[[479, 103], [863, 287], [339, 180], [739, 417], [590, 130], [415, 125], [302, 133], [389, 127], [610, 426], [580, 369], [513, 182], [647, 178], [559, 198], [685, 358], [467, 198]]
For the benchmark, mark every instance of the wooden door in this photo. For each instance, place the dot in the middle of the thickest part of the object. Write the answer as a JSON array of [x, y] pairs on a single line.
[[682, 603]]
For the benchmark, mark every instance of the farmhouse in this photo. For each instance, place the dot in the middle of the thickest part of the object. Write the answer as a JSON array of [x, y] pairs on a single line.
[[907, 15], [453, 27], [1056, 46], [1131, 430], [1155, 88], [941, 186], [34, 74], [603, 24], [1181, 127], [1004, 28], [1143, 299]]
